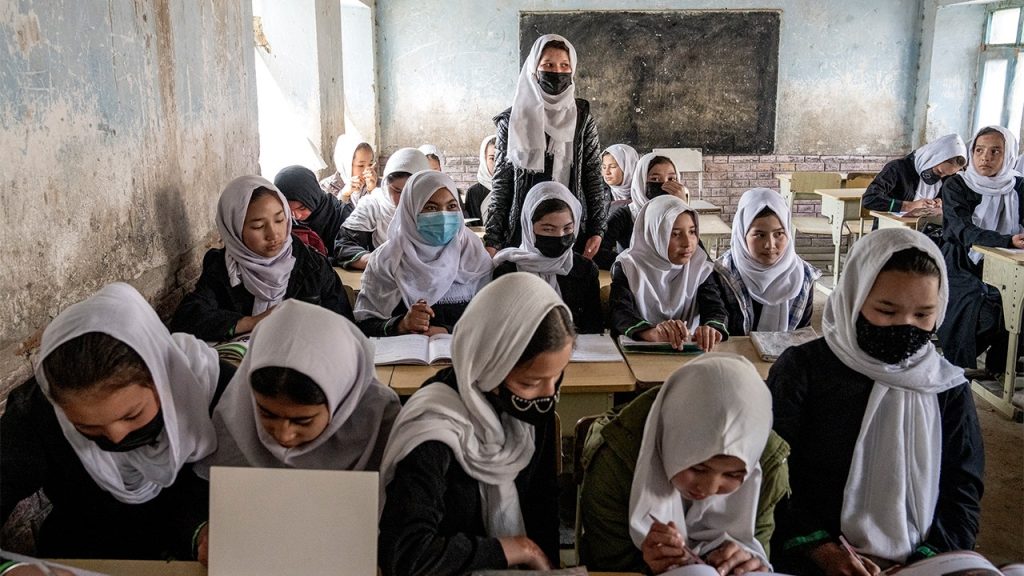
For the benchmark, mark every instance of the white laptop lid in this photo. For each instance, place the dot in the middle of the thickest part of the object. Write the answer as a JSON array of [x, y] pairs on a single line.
[[286, 521]]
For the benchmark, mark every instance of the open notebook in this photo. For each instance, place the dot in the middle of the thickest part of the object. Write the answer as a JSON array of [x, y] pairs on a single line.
[[957, 564], [287, 521], [771, 345], [705, 570], [595, 348], [412, 349]]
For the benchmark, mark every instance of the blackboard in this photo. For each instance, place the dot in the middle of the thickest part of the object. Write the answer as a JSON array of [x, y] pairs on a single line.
[[673, 79]]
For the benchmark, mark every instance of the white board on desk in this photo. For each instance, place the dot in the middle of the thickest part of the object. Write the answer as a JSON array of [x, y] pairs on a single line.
[[286, 521]]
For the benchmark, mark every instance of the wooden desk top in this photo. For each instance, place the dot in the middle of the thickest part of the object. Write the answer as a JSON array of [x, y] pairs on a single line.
[[138, 567], [478, 230], [1004, 254], [704, 207], [653, 369], [895, 217], [384, 374], [351, 278], [844, 194], [604, 277], [580, 378]]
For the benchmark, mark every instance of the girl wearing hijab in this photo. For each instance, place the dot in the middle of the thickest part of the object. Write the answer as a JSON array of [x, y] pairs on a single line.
[[355, 173], [765, 285], [259, 267], [551, 216], [618, 162], [662, 287], [121, 410], [422, 278], [886, 447], [434, 156], [468, 477], [547, 135], [367, 227], [982, 206], [697, 454], [653, 176], [311, 207], [484, 173], [915, 181]]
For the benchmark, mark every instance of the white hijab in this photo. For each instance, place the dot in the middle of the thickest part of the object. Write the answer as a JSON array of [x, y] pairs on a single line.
[[429, 149], [663, 290], [536, 113], [638, 186], [265, 278], [375, 212], [893, 483], [332, 352], [772, 286], [714, 405], [483, 175], [492, 449], [999, 209], [626, 157], [408, 269], [526, 256], [931, 155], [184, 370]]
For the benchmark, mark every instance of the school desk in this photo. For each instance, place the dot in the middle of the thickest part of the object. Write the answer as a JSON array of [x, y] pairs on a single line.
[[652, 369], [703, 206], [351, 278], [1004, 269], [895, 220], [604, 277], [160, 568], [840, 206], [478, 230]]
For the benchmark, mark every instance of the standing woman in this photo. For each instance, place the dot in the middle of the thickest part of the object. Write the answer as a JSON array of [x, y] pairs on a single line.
[[468, 478], [311, 207], [984, 206], [915, 181], [547, 134], [765, 285], [617, 164], [355, 175], [484, 174]]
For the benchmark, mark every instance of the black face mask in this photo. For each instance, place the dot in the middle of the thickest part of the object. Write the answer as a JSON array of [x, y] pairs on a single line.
[[554, 246], [654, 189], [534, 411], [930, 177], [890, 344], [144, 436], [554, 83]]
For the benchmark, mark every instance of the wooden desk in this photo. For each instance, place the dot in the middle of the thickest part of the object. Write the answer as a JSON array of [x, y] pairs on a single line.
[[1004, 269], [353, 281], [652, 369], [384, 374], [840, 205], [893, 220], [478, 230], [137, 567], [604, 277], [703, 206]]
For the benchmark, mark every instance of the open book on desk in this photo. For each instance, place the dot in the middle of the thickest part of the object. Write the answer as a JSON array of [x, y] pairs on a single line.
[[640, 347], [705, 570], [771, 345], [962, 563], [595, 348], [412, 349]]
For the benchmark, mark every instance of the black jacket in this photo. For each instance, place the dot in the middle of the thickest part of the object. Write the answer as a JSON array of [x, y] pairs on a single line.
[[474, 198], [819, 405], [895, 183], [510, 184], [626, 319], [581, 292], [351, 246], [616, 238], [433, 522], [86, 521], [211, 311]]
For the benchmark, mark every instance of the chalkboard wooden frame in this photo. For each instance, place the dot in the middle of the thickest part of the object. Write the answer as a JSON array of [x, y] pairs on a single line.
[[675, 78]]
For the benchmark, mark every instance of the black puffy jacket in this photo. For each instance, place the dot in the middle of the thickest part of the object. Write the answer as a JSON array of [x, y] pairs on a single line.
[[510, 184]]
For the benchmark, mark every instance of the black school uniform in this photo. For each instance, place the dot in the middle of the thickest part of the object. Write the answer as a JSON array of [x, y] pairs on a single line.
[[581, 292], [432, 521], [87, 521], [474, 199], [819, 405], [445, 316], [894, 184], [211, 311], [351, 246], [625, 319], [616, 238], [974, 315]]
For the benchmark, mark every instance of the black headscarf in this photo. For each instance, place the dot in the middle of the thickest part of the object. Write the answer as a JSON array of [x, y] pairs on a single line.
[[299, 184]]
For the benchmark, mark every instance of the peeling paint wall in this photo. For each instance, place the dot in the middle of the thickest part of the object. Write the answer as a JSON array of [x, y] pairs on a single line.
[[120, 122], [847, 70], [959, 31]]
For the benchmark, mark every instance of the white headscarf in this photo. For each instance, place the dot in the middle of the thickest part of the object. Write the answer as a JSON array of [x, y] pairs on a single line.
[[663, 290], [893, 483], [429, 149], [184, 370], [483, 175], [490, 449], [344, 153], [626, 157], [265, 278], [408, 269], [536, 113], [638, 186], [375, 212], [714, 405], [526, 256], [999, 209], [931, 155], [772, 286], [332, 352]]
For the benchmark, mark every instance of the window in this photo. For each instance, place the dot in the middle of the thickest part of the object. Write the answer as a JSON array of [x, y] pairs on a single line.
[[1001, 89]]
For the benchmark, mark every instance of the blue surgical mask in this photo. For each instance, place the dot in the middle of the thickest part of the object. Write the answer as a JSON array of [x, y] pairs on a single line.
[[438, 228]]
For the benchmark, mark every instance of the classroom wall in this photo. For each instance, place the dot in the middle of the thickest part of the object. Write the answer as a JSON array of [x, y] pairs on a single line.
[[847, 70], [120, 122], [958, 34]]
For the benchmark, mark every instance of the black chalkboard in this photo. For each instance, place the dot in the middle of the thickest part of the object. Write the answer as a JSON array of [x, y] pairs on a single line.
[[673, 79]]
